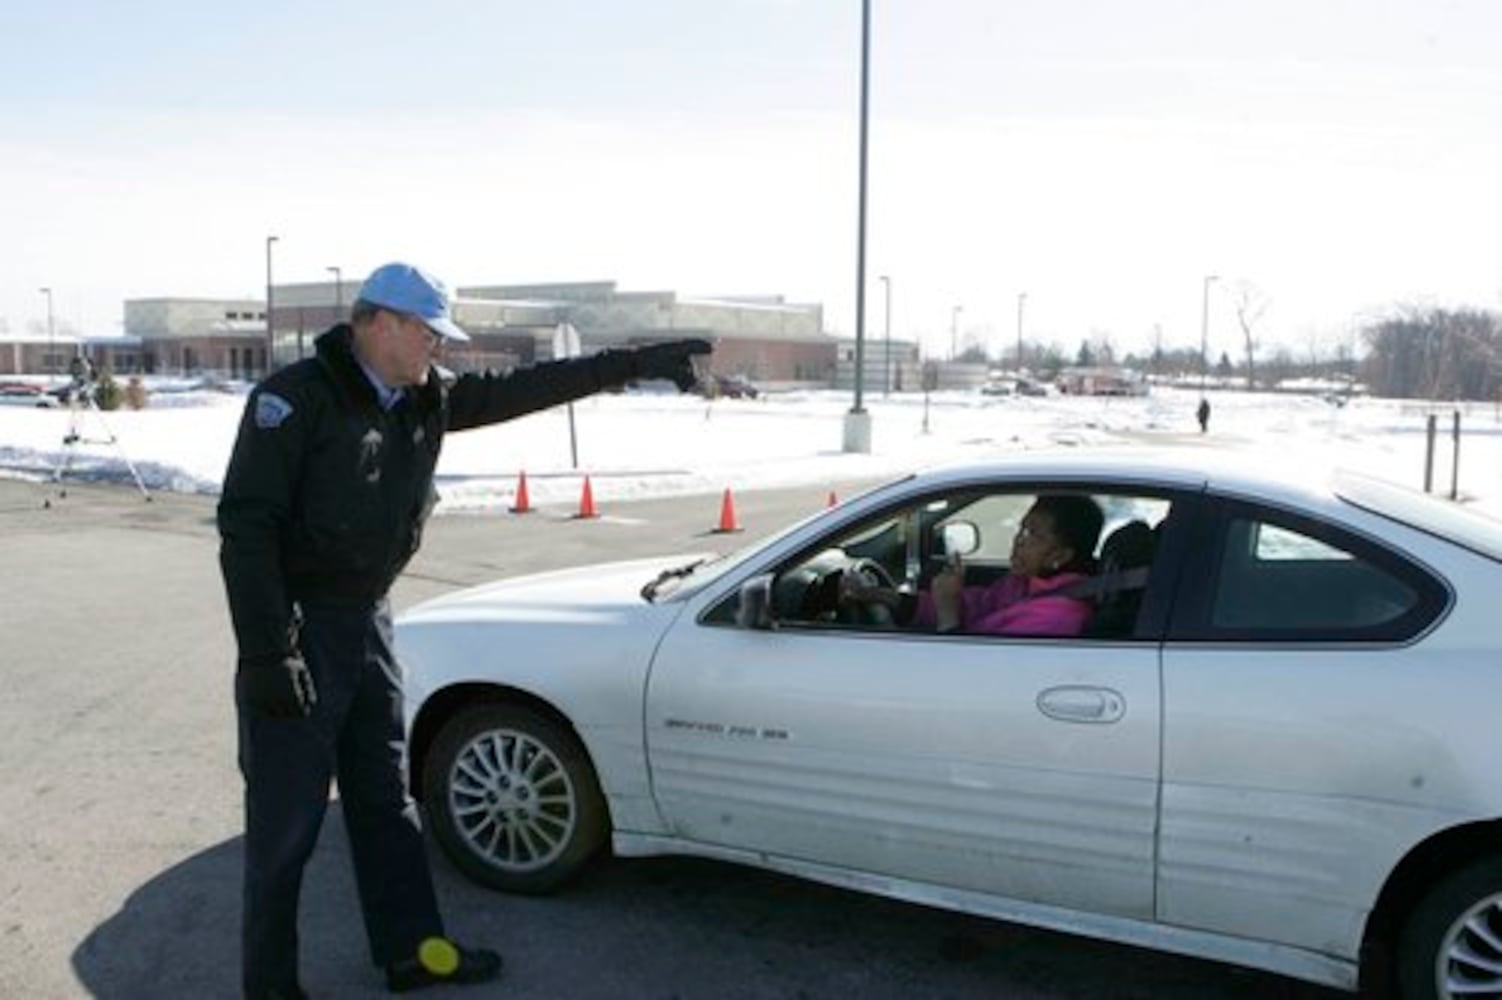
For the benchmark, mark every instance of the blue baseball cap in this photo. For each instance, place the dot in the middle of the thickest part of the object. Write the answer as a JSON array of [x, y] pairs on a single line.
[[403, 288]]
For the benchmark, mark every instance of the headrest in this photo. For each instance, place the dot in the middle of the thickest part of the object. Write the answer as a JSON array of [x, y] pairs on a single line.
[[1129, 546]]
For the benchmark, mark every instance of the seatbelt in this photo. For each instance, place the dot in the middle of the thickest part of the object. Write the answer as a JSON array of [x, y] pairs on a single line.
[[1094, 587]]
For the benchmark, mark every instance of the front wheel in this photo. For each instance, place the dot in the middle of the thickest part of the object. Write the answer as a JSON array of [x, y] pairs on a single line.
[[513, 799], [1451, 947]]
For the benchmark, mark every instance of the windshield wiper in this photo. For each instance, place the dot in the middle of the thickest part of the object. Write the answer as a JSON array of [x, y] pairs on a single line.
[[649, 591]]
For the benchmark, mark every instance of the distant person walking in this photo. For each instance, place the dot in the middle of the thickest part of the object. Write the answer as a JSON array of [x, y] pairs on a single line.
[[323, 504], [1203, 414]]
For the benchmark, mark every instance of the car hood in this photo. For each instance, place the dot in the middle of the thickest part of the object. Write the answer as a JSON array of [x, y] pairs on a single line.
[[584, 594]]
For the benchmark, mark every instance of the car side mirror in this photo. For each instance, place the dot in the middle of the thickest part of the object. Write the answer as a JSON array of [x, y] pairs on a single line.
[[960, 538], [755, 610]]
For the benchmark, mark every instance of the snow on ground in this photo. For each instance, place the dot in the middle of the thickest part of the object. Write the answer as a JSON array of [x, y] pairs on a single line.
[[636, 446]]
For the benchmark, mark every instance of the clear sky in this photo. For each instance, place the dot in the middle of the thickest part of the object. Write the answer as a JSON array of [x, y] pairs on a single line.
[[1101, 156]]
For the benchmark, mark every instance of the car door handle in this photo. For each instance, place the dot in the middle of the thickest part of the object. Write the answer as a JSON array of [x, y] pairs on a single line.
[[1082, 704]]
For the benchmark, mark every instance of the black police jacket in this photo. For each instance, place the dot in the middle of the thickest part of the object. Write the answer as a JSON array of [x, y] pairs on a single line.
[[326, 493]]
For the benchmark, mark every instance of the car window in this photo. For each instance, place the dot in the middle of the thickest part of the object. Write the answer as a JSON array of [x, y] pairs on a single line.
[[903, 548], [1271, 542], [997, 517], [1294, 579]]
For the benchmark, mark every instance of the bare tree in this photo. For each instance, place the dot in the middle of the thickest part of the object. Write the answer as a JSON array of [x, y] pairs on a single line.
[[1433, 353], [1316, 344], [1250, 303]]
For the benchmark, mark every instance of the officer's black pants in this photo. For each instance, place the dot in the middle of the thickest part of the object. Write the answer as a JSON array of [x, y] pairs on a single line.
[[355, 734]]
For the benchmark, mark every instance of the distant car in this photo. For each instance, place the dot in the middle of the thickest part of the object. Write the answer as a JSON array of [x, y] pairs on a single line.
[[728, 386], [1027, 387], [1276, 745], [25, 394], [1009, 386]]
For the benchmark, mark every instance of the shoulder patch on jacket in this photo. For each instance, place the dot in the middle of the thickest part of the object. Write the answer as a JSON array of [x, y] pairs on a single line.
[[271, 410]]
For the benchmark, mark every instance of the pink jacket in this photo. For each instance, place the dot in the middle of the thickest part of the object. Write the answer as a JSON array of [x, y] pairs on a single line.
[[1015, 605]]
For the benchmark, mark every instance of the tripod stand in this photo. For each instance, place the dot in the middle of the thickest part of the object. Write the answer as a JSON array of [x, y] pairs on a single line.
[[80, 404]]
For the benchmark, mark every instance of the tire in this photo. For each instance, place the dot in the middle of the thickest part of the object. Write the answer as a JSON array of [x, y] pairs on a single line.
[[512, 799], [1451, 946]]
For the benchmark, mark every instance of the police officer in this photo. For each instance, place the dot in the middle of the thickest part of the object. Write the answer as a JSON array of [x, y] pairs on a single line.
[[324, 501]]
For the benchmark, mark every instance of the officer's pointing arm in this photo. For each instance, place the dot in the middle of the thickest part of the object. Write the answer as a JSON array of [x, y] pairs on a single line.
[[486, 398]]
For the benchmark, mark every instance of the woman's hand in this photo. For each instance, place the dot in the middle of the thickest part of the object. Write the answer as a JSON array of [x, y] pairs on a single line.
[[947, 589]]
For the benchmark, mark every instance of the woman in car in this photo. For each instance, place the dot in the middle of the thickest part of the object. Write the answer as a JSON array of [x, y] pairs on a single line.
[[1051, 552]]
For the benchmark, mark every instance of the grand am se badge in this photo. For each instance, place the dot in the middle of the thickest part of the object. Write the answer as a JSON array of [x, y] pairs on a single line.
[[726, 729]]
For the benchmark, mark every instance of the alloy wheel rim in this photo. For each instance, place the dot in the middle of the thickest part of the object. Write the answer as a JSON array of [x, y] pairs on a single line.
[[1469, 964], [512, 800]]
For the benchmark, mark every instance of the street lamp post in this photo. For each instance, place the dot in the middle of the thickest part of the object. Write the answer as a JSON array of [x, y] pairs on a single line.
[[858, 421], [887, 288], [954, 332], [270, 301], [338, 293], [51, 339], [1205, 330], [1021, 301]]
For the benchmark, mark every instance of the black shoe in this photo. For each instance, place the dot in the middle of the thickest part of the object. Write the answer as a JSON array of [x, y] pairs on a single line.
[[473, 965]]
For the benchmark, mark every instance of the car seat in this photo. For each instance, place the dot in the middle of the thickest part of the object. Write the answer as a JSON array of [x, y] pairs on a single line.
[[1125, 557]]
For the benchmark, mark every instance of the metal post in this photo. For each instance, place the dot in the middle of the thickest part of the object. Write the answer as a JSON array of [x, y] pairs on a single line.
[[1429, 455], [338, 294], [887, 380], [51, 337], [1455, 462], [954, 332], [858, 421], [270, 332], [1021, 301], [1205, 331], [860, 241]]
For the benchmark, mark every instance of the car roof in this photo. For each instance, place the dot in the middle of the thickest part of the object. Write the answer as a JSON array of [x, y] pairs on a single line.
[[1222, 471]]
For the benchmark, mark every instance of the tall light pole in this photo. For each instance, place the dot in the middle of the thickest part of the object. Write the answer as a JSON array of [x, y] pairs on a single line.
[[887, 288], [1021, 301], [858, 421], [338, 292], [1205, 330], [954, 332], [51, 345], [270, 301]]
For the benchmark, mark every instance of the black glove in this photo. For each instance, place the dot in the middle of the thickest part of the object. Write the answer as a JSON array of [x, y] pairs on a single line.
[[673, 360], [278, 686]]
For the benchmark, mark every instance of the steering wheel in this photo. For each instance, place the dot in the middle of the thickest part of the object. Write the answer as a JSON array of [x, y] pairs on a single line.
[[871, 574]]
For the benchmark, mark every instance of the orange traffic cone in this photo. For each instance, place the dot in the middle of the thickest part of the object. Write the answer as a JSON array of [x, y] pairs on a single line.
[[523, 504], [832, 501], [727, 514], [587, 502]]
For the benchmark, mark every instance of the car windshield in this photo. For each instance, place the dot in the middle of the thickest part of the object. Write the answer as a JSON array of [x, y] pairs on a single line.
[[705, 572], [683, 580], [1442, 518]]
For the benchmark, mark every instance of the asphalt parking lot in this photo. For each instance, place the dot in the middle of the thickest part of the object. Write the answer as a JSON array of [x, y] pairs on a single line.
[[120, 825]]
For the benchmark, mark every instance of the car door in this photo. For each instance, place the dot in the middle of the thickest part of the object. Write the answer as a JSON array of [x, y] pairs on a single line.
[[1022, 767], [1289, 776]]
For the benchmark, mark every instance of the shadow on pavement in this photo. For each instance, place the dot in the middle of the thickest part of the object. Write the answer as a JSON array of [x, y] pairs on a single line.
[[657, 928], [178, 935]]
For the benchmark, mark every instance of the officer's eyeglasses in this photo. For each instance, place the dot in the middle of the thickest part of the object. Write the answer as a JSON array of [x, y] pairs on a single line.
[[434, 340]]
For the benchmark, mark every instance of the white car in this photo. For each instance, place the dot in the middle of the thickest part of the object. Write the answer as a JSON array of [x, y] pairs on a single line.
[[25, 394], [1277, 744]]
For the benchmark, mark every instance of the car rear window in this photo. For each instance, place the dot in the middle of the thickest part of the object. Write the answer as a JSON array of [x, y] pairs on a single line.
[[1442, 518]]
